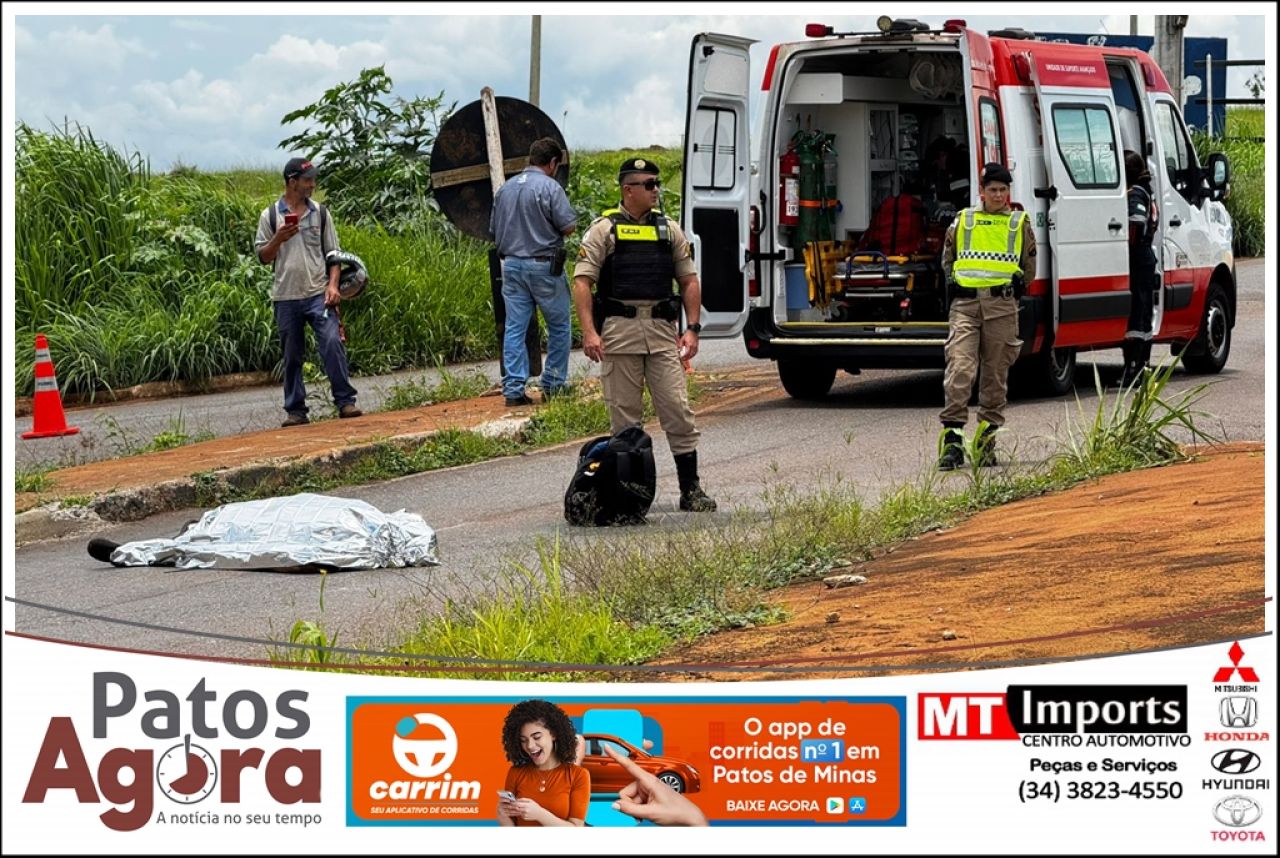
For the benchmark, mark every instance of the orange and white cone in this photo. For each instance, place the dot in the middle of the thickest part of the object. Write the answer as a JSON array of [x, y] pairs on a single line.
[[49, 419]]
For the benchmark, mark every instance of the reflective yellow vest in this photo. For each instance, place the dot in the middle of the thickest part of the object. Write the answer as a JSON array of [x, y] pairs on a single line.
[[988, 248]]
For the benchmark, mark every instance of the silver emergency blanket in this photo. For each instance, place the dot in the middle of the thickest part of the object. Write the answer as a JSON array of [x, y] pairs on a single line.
[[300, 530]]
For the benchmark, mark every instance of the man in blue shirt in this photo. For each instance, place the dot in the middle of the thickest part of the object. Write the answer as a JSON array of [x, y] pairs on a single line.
[[531, 216]]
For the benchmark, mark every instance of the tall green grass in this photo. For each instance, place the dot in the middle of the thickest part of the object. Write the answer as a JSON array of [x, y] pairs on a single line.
[[138, 277], [1242, 145]]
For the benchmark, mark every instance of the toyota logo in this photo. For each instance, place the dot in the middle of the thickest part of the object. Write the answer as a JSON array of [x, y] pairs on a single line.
[[1236, 761], [1237, 811]]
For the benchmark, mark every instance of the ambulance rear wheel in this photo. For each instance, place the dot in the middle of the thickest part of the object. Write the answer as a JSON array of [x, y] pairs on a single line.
[[806, 379]]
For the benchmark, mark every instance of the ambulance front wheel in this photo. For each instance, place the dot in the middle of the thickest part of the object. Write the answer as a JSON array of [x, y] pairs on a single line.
[[1051, 372], [1209, 350], [806, 379]]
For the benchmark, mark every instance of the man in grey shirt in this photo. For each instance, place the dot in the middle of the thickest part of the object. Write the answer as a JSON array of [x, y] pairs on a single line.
[[531, 216], [296, 240]]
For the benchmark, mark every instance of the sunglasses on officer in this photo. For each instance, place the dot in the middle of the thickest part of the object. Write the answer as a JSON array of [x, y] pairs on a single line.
[[647, 184]]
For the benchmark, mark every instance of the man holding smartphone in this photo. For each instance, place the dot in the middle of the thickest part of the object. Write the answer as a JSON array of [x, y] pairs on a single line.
[[295, 236]]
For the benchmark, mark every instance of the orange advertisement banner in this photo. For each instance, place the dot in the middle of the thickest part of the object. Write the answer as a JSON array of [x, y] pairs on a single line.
[[692, 761]]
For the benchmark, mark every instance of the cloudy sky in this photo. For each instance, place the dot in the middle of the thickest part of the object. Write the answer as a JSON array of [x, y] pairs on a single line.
[[209, 88]]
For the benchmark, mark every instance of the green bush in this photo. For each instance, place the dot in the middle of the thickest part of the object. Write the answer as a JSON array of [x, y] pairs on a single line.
[[374, 151], [136, 277], [1244, 147]]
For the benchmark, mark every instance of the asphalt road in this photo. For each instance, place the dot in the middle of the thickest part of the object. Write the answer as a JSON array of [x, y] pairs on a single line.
[[876, 430]]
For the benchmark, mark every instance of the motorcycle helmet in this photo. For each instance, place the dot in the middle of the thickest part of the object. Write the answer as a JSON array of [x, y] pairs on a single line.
[[354, 278]]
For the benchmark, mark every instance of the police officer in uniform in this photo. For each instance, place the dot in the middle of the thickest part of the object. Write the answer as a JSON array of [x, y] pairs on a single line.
[[631, 255], [987, 256]]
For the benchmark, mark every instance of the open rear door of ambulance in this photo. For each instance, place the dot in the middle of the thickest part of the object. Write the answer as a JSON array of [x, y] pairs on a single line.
[[716, 196], [1087, 219]]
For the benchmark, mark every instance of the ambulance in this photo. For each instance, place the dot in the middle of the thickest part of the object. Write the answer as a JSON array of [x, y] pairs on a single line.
[[784, 258]]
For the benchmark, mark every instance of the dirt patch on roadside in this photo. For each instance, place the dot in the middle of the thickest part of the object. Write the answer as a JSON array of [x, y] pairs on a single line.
[[1156, 558], [719, 390]]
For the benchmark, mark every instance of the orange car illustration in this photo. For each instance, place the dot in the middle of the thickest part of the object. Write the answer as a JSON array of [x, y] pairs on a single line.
[[609, 777]]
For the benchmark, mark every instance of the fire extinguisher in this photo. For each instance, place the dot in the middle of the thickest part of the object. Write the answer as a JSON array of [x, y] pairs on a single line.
[[789, 188]]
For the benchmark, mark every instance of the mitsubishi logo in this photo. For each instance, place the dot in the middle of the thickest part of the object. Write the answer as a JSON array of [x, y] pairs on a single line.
[[1247, 674], [1236, 761]]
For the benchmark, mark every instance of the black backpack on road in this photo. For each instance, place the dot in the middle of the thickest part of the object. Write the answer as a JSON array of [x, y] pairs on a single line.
[[615, 481]]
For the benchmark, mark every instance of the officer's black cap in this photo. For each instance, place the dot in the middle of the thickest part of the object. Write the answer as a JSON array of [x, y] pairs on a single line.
[[637, 165], [996, 173]]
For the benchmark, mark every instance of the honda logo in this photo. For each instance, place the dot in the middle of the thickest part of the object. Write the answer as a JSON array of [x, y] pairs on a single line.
[[1238, 711], [1236, 761]]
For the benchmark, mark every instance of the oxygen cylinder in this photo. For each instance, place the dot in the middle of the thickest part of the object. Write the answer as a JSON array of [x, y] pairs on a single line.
[[829, 161], [813, 225]]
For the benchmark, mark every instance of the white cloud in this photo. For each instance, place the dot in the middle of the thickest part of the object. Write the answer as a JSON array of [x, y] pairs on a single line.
[[196, 25], [211, 91], [98, 49]]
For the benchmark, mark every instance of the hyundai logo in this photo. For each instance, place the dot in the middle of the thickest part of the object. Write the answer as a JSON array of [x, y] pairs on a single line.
[[1237, 811], [1236, 761]]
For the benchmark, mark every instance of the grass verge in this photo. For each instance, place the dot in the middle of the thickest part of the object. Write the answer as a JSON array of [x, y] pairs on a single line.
[[623, 596]]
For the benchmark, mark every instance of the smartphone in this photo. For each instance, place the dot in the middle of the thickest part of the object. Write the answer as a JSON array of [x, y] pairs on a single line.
[[291, 219], [509, 796]]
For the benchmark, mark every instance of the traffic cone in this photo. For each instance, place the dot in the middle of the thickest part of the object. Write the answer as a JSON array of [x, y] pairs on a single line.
[[49, 419]]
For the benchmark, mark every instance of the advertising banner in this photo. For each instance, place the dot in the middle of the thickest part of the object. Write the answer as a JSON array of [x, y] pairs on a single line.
[[1155, 752]]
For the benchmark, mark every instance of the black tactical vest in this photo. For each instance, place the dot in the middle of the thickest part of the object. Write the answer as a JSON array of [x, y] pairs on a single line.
[[640, 267]]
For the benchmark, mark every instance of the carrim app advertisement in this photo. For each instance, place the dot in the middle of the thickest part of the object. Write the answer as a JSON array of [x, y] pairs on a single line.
[[1164, 751]]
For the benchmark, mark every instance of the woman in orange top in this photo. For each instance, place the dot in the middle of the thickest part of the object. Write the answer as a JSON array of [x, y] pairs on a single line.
[[549, 788]]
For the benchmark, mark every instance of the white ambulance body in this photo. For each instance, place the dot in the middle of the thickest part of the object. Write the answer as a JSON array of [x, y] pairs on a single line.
[[1059, 116]]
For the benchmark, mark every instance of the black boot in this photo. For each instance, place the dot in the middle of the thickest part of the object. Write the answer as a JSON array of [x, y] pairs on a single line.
[[1131, 349], [951, 445], [692, 497], [1144, 356], [100, 549], [985, 446]]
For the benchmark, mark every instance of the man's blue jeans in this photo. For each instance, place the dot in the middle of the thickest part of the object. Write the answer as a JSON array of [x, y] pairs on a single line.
[[292, 318], [526, 283]]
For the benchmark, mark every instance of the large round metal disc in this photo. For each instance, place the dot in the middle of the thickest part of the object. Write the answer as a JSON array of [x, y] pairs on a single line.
[[468, 202]]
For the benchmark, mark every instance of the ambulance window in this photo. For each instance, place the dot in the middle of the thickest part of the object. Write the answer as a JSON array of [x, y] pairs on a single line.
[[1087, 143], [715, 157], [1179, 158], [992, 142]]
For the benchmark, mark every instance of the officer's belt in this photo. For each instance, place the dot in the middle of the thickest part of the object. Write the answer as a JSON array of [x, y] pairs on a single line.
[[666, 309], [994, 291]]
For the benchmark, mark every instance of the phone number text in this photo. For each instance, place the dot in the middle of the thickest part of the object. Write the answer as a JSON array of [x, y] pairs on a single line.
[[1053, 790]]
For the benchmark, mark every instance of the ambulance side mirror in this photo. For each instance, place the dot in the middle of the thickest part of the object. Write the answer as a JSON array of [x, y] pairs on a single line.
[[1217, 173]]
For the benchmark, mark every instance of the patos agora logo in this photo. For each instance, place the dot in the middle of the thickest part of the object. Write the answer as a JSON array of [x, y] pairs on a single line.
[[241, 752]]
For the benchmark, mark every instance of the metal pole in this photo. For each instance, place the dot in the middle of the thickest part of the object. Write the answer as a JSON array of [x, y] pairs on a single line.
[[1167, 51], [1133, 25], [535, 60], [1208, 96]]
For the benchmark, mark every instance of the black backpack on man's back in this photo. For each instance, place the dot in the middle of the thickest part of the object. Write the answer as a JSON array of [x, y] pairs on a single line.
[[615, 481]]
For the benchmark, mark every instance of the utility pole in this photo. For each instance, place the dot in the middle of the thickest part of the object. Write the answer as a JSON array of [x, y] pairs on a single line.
[[535, 60], [1168, 51]]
